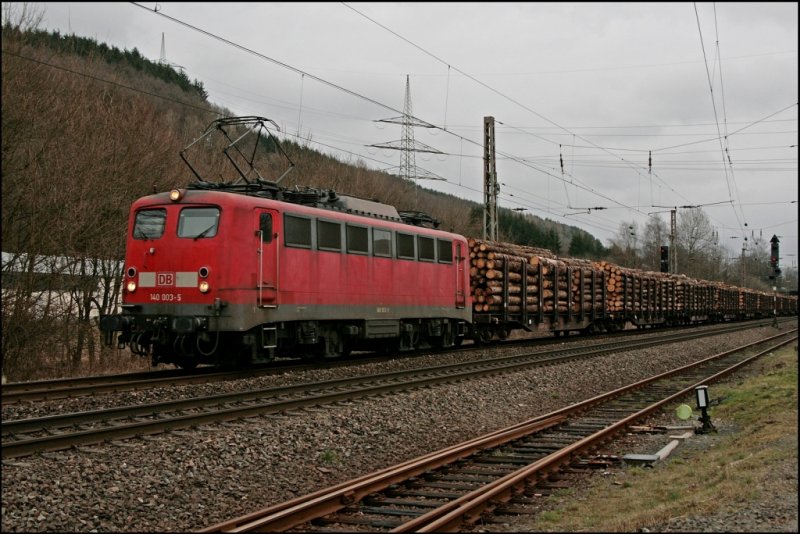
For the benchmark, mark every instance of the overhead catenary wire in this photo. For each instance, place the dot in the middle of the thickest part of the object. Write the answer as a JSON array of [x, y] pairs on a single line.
[[716, 116], [300, 110], [474, 79], [624, 127], [337, 149], [515, 200], [449, 67], [347, 91], [509, 157], [446, 98]]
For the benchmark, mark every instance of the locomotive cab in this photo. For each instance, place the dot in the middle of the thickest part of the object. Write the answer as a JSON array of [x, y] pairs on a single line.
[[172, 303]]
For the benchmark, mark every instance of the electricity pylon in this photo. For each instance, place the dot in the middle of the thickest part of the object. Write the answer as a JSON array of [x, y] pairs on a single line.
[[407, 145], [163, 59]]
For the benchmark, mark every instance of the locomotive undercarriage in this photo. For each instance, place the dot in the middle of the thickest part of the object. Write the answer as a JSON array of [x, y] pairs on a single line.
[[331, 339], [187, 341], [183, 341]]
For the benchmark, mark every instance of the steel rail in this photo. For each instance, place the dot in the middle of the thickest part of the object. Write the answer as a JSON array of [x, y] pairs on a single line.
[[329, 392], [84, 386], [451, 516], [501, 363], [339, 390]]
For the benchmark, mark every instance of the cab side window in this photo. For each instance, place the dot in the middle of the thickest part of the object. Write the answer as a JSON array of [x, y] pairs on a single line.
[[445, 250]]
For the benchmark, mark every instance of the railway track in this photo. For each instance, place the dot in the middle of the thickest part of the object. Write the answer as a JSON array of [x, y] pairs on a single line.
[[28, 436], [95, 385], [453, 487], [91, 385]]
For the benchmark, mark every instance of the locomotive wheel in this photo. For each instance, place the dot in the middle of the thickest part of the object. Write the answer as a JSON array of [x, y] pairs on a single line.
[[446, 340], [390, 346], [330, 347], [185, 362], [484, 335]]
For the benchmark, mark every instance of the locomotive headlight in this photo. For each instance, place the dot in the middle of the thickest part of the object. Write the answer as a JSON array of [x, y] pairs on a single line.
[[175, 195], [131, 286], [204, 287]]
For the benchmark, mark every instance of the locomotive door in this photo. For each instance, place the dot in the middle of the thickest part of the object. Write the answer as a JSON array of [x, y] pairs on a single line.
[[461, 297], [267, 252]]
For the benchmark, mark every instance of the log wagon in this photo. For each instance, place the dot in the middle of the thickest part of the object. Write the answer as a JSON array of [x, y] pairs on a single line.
[[519, 287]]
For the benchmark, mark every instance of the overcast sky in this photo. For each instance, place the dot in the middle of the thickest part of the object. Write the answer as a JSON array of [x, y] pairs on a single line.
[[596, 85]]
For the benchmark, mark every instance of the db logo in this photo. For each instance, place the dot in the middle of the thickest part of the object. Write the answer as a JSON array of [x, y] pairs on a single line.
[[165, 279]]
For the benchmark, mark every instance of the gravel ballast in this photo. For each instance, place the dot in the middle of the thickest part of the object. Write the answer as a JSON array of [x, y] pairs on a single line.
[[191, 479]]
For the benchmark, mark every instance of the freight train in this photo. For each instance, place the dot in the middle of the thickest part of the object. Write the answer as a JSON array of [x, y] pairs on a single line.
[[233, 273], [243, 274]]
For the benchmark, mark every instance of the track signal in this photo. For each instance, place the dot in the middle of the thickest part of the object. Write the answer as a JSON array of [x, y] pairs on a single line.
[[664, 259], [774, 254]]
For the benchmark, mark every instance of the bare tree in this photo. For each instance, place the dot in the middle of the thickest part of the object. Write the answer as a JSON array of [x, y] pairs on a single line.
[[696, 243], [76, 153], [654, 235], [623, 248], [22, 16]]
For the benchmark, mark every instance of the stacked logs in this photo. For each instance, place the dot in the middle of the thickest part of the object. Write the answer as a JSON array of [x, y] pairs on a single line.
[[686, 297], [489, 281], [648, 291], [584, 297], [743, 300], [617, 279], [642, 291], [725, 297], [487, 261], [628, 290]]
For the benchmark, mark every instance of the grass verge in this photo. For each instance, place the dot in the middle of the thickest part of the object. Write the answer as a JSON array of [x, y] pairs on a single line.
[[746, 461]]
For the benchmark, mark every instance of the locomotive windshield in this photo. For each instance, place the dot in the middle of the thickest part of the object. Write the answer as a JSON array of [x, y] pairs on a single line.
[[198, 222], [149, 224]]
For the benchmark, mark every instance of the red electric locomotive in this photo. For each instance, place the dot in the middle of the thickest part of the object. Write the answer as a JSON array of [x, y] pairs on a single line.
[[219, 276]]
